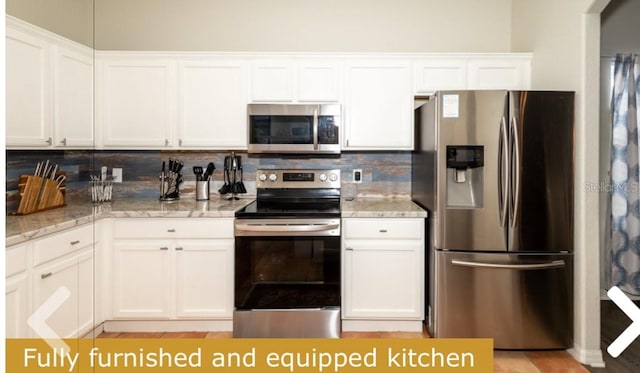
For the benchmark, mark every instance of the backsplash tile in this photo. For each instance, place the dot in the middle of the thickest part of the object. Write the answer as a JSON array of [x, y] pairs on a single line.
[[385, 174]]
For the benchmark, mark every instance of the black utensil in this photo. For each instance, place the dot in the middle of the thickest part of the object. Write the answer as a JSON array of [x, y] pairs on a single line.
[[198, 171], [225, 188], [209, 172]]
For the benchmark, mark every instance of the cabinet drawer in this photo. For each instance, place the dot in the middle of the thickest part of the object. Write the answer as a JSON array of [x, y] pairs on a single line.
[[173, 228], [16, 260], [63, 243], [383, 228]]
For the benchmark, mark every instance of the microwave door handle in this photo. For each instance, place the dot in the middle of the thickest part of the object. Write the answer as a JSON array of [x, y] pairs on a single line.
[[315, 129]]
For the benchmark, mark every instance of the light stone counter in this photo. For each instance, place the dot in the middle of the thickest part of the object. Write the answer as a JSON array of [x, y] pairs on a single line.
[[381, 208], [23, 228]]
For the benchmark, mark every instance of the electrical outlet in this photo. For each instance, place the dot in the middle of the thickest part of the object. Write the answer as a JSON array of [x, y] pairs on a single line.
[[117, 175], [357, 175]]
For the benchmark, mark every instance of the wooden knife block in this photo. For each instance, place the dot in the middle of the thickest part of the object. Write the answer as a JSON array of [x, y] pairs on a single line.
[[39, 194]]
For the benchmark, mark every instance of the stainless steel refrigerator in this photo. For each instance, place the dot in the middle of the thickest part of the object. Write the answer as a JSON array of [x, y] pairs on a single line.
[[495, 171]]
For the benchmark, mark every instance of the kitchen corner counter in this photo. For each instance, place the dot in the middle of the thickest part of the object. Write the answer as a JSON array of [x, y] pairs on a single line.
[[23, 228], [381, 208]]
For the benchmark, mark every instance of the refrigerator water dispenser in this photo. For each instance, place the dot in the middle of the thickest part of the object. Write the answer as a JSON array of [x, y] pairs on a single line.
[[465, 176]]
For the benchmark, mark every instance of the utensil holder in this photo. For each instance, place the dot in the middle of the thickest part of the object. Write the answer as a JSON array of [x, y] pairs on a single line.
[[101, 190], [202, 190]]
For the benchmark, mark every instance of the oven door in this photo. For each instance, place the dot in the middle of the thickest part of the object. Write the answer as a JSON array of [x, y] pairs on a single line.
[[287, 264]]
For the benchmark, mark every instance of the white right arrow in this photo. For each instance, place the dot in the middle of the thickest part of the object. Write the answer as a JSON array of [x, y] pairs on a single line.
[[630, 333], [37, 321]]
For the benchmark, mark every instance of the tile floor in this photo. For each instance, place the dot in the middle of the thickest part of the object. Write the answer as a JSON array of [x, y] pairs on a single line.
[[503, 362]]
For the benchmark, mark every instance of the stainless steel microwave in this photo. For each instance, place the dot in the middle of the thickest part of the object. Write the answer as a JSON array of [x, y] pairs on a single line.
[[294, 128]]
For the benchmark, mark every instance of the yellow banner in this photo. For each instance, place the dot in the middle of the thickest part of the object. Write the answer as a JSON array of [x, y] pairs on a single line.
[[249, 355]]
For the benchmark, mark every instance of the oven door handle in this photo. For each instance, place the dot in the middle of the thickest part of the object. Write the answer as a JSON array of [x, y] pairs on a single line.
[[284, 228]]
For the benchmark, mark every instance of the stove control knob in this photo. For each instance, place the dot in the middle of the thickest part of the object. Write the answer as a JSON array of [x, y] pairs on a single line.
[[262, 177], [333, 177], [323, 177], [273, 177]]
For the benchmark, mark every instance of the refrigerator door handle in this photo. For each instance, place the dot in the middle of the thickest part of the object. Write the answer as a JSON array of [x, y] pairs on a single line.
[[503, 170], [547, 265], [515, 166]]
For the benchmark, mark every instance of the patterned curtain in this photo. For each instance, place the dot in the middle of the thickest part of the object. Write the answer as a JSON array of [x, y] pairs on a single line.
[[625, 176]]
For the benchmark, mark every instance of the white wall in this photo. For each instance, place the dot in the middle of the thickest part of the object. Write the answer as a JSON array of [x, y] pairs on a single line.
[[304, 25], [72, 19], [564, 37]]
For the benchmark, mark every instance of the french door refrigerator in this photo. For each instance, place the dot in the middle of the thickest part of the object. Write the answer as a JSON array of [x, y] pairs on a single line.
[[495, 171]]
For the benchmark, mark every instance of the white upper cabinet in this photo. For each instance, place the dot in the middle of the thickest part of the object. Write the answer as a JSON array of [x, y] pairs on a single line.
[[431, 75], [212, 104], [295, 80], [272, 81], [73, 98], [135, 102], [28, 90], [49, 89], [378, 105], [499, 73], [318, 81]]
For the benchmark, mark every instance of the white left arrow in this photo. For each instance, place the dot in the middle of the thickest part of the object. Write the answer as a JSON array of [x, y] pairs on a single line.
[[38, 320], [632, 331]]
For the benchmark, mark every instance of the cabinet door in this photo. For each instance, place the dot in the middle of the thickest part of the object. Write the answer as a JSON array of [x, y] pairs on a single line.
[[318, 81], [379, 106], [212, 104], [204, 278], [439, 74], [28, 85], [141, 279], [272, 81], [383, 279], [137, 104], [498, 74], [73, 98], [75, 313], [17, 306]]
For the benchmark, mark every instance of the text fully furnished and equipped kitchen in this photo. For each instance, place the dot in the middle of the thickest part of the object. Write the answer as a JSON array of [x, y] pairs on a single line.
[[314, 127]]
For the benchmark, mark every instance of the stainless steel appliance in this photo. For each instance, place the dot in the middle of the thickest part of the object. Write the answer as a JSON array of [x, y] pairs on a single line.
[[294, 128], [495, 171], [287, 257]]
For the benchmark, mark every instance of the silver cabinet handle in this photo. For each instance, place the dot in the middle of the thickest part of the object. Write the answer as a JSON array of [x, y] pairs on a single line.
[[349, 249], [45, 275], [180, 142], [171, 230], [383, 231], [164, 248], [552, 264], [179, 248], [74, 242], [49, 141], [64, 141], [166, 142]]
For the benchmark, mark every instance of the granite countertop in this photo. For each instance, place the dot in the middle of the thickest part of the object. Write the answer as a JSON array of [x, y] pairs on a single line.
[[365, 207], [23, 228]]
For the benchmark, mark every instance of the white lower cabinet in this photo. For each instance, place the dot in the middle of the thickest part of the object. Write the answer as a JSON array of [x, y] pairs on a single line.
[[70, 280], [17, 306], [383, 274], [54, 271], [174, 277]]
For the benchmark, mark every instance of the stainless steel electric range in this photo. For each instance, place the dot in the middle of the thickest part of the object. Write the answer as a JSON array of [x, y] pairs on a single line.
[[287, 257]]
